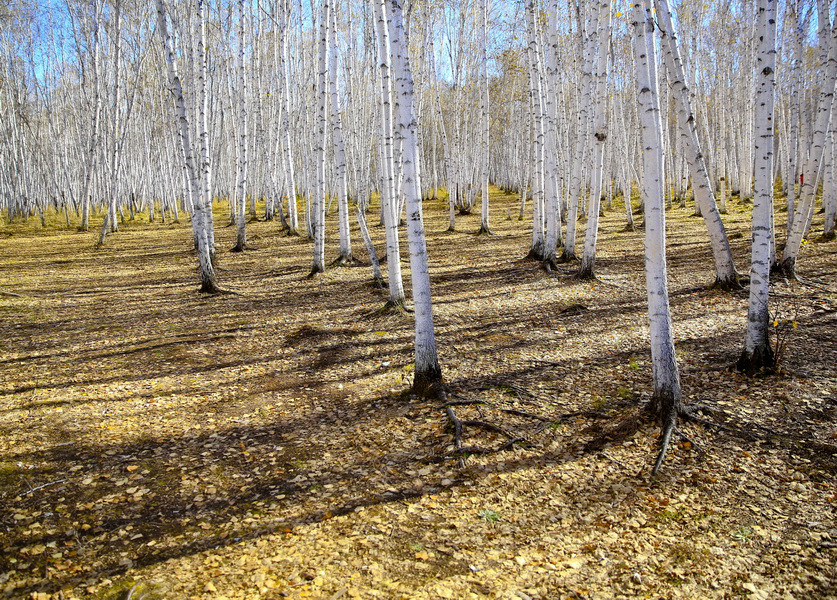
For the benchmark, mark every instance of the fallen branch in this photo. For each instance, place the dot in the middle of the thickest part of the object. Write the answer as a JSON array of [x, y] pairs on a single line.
[[40, 487]]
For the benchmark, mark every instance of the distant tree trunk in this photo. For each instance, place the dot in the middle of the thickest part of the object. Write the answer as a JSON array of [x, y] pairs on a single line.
[[207, 271], [319, 208], [345, 253], [241, 192], [389, 200], [601, 42], [725, 274], [808, 190], [485, 226], [757, 353]]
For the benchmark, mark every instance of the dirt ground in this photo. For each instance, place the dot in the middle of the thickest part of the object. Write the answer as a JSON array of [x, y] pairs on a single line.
[[159, 443]]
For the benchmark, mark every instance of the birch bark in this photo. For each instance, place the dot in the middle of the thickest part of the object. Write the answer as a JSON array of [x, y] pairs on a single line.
[[666, 401], [758, 354]]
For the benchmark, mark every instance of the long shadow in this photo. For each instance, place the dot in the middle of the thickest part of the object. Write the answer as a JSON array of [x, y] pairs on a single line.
[[277, 469]]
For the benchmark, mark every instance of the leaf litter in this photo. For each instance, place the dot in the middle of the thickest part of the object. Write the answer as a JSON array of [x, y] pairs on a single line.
[[160, 444]]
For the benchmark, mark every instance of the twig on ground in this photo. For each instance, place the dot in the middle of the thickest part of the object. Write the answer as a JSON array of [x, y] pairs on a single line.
[[40, 487]]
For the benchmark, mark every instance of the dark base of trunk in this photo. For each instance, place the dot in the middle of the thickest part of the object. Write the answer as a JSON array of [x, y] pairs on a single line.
[[549, 265], [315, 270], [241, 248], [484, 231], [210, 287], [345, 260], [534, 254], [586, 274], [727, 284], [828, 236], [428, 384], [379, 283], [629, 227], [788, 268], [760, 361], [567, 256]]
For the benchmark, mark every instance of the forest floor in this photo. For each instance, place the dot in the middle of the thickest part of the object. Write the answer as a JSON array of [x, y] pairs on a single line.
[[159, 443]]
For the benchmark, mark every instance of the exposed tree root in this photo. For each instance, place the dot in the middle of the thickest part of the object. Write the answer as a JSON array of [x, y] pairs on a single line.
[[567, 256], [210, 287], [534, 254], [378, 283], [550, 265], [586, 274], [511, 439], [664, 443]]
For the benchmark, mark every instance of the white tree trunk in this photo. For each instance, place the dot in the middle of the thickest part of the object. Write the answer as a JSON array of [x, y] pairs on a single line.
[[428, 374], [601, 43], [725, 273], [757, 352], [667, 394], [319, 199], [207, 271], [807, 194]]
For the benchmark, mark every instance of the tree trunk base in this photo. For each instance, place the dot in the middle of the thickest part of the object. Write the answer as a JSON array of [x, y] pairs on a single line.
[[586, 274], [729, 283], [827, 236], [760, 361], [378, 283], [788, 268], [345, 260], [534, 254], [242, 248], [567, 256], [428, 384], [483, 230], [315, 270], [210, 287]]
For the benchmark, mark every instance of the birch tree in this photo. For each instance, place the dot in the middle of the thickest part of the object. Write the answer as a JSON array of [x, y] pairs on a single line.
[[757, 352], [428, 374], [666, 401], [726, 276], [199, 221]]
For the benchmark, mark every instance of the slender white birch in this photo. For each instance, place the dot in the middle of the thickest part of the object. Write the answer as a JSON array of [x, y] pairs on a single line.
[[666, 401], [485, 122], [601, 42], [428, 374], [757, 352], [319, 200], [243, 123], [345, 253], [207, 270], [726, 276], [389, 202], [807, 194]]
